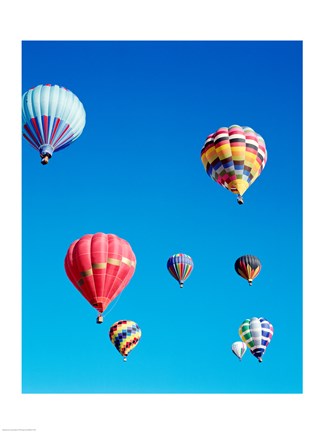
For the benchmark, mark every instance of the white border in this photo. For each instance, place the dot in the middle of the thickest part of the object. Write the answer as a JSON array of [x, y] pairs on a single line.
[[156, 20]]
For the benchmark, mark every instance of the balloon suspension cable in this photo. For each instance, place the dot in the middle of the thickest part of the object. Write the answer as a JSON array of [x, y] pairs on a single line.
[[240, 199], [117, 300]]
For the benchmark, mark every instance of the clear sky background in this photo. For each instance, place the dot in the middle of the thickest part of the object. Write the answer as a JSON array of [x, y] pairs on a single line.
[[204, 20], [136, 172]]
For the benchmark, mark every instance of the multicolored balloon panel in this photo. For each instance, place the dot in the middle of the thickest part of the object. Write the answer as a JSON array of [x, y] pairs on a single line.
[[234, 157], [100, 266], [248, 266], [180, 266], [53, 117], [239, 349], [125, 335], [257, 334]]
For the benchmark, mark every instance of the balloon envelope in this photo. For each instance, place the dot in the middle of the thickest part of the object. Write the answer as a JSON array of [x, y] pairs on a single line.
[[125, 335], [239, 349], [234, 157], [53, 117], [100, 266], [180, 266], [248, 266], [257, 334]]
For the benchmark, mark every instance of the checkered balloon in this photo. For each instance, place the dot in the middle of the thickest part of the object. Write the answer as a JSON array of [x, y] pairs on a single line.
[[125, 335]]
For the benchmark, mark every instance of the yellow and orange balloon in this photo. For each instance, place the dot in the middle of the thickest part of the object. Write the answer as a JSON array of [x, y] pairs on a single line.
[[234, 157]]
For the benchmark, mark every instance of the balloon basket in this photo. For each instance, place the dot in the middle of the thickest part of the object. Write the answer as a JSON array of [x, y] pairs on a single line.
[[44, 160], [240, 200], [100, 319]]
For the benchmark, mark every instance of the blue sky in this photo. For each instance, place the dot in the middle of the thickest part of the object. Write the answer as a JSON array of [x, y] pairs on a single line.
[[136, 172]]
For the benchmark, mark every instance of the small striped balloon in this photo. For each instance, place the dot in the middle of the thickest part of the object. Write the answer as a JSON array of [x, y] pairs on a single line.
[[248, 267], [125, 335], [180, 266], [257, 334]]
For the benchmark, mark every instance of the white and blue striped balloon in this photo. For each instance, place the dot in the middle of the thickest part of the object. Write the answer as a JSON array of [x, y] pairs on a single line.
[[52, 118], [257, 334]]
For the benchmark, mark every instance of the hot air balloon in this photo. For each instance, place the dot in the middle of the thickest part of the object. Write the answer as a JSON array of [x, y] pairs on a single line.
[[257, 334], [239, 349], [248, 266], [53, 117], [234, 157], [100, 266], [180, 266], [125, 335]]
